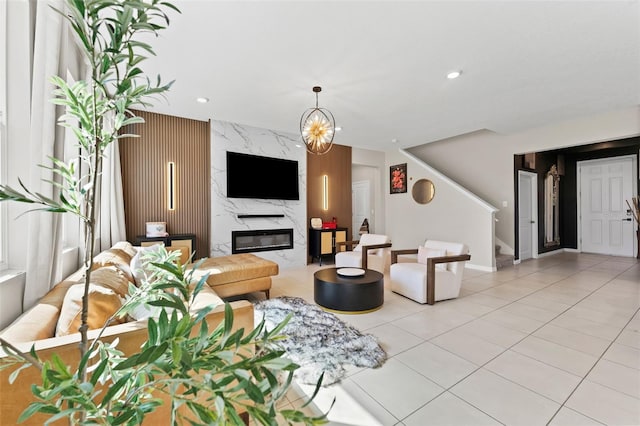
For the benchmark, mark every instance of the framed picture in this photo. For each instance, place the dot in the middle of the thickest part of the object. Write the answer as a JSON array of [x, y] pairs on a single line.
[[398, 178]]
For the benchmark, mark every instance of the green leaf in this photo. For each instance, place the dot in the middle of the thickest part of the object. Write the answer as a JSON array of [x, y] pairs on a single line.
[[97, 373], [33, 408], [122, 418], [115, 388], [228, 318], [14, 374]]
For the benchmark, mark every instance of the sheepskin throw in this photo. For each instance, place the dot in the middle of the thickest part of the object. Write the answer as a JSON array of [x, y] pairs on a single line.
[[319, 341]]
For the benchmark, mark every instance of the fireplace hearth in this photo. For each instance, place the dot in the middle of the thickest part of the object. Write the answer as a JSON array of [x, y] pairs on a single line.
[[261, 240]]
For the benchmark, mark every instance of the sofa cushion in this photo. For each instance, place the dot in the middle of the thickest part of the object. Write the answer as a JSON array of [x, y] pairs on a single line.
[[108, 287], [103, 303], [206, 297], [235, 267], [113, 278], [40, 321], [125, 246], [370, 240], [426, 252], [117, 257]]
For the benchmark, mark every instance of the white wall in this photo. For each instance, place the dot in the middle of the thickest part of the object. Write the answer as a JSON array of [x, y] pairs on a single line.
[[375, 160], [252, 140], [483, 161], [453, 214]]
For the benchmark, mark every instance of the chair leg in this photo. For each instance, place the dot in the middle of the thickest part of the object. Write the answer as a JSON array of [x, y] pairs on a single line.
[[431, 287], [266, 292]]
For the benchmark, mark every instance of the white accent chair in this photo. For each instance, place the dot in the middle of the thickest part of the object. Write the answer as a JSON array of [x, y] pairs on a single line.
[[370, 252], [437, 274]]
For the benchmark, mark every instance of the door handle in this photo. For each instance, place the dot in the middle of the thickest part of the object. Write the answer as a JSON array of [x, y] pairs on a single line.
[[627, 219], [533, 221]]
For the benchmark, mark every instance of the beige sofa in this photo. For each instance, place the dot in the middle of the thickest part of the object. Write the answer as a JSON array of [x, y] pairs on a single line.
[[39, 325]]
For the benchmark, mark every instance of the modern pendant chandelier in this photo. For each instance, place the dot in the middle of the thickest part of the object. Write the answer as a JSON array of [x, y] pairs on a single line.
[[317, 127]]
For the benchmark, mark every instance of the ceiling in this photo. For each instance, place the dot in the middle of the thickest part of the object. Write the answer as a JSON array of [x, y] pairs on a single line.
[[382, 65]]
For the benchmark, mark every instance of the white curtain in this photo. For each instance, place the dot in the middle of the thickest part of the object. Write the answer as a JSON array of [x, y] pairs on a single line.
[[45, 140], [55, 53], [111, 226]]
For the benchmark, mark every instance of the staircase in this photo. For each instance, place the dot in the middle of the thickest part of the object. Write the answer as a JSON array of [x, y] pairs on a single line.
[[503, 260]]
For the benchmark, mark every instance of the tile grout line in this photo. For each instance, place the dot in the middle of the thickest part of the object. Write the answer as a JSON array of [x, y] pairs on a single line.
[[591, 369], [448, 389], [512, 281]]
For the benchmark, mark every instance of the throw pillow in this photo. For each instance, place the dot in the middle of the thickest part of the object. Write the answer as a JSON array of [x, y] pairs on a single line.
[[138, 264], [144, 312], [126, 247], [205, 298], [425, 252], [113, 278], [114, 257], [103, 303]]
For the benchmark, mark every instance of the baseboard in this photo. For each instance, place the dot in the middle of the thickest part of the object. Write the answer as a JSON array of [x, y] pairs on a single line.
[[480, 267]]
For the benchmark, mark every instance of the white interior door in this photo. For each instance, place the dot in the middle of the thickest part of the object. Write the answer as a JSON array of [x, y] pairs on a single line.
[[527, 215], [605, 226], [361, 205]]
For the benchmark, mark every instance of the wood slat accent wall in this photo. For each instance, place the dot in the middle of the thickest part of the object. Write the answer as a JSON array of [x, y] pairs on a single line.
[[336, 164], [165, 138]]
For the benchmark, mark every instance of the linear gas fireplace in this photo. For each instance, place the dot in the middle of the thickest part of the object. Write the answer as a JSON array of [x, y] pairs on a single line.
[[261, 240]]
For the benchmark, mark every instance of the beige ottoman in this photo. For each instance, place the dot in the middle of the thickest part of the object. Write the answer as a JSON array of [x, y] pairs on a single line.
[[238, 274]]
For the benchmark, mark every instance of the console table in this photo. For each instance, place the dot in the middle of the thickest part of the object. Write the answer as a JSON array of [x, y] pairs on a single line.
[[172, 240], [322, 242]]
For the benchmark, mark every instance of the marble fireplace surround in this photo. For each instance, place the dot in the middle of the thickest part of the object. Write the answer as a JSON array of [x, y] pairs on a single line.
[[239, 214]]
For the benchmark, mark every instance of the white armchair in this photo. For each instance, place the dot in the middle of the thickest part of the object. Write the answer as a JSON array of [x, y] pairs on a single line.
[[370, 252], [437, 274]]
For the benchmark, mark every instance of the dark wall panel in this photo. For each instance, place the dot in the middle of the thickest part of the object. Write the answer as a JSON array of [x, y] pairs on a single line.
[[336, 164], [144, 161]]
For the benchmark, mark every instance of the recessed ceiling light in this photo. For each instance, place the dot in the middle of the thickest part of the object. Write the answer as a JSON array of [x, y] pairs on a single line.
[[202, 100], [338, 128], [298, 145], [454, 74], [394, 140]]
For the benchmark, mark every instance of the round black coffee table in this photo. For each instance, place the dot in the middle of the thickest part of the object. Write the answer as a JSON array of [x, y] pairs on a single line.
[[348, 293]]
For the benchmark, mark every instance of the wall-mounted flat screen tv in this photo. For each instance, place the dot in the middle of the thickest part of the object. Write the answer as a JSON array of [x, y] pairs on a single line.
[[255, 176]]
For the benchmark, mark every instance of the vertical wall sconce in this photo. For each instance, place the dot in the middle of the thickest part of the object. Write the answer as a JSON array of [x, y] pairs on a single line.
[[171, 185], [325, 192]]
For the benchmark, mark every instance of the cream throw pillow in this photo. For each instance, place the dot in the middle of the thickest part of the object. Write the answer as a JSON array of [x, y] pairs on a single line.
[[138, 265], [425, 252]]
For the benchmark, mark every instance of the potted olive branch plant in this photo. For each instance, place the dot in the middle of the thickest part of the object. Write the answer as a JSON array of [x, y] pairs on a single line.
[[208, 374]]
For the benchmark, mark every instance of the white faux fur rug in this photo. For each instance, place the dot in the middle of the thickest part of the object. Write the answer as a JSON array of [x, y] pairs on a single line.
[[319, 341]]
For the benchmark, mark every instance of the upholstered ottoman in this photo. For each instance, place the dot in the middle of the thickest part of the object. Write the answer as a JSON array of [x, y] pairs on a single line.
[[238, 274]]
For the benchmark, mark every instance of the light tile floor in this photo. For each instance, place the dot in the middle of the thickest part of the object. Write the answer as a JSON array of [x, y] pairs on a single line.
[[552, 341]]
